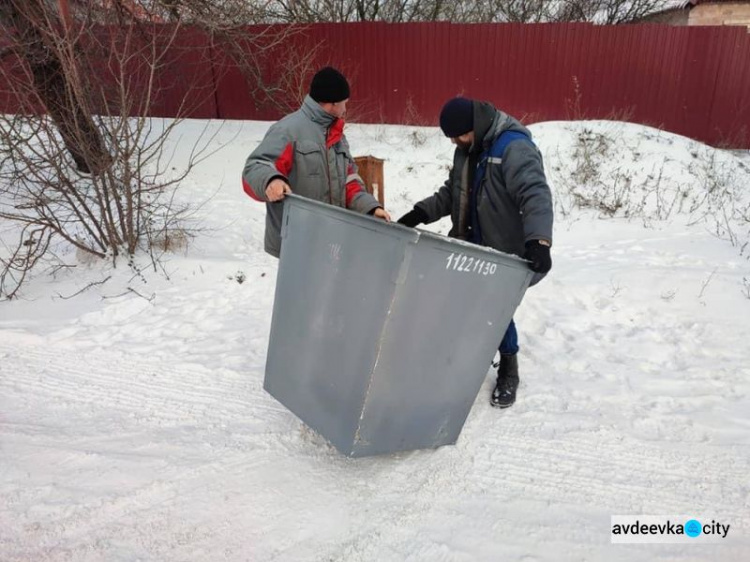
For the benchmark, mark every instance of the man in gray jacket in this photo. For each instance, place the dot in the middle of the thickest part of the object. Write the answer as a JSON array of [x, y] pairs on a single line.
[[497, 196], [307, 153]]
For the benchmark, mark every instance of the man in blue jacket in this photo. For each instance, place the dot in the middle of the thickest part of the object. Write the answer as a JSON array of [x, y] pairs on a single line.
[[497, 196]]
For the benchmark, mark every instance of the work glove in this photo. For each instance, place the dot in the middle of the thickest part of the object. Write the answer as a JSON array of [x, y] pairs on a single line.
[[538, 254], [413, 218]]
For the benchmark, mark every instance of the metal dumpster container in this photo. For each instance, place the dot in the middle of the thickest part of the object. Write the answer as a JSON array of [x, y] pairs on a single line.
[[382, 335]]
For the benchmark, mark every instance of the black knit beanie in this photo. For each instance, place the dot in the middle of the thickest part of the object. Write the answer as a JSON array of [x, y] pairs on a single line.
[[329, 86], [457, 117]]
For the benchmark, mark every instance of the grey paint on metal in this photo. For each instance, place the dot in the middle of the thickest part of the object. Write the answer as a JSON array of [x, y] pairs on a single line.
[[382, 335]]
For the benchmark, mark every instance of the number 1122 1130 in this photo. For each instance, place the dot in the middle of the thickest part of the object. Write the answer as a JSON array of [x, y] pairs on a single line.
[[468, 264]]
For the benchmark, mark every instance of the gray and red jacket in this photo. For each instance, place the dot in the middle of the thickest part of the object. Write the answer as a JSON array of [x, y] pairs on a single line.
[[309, 151]]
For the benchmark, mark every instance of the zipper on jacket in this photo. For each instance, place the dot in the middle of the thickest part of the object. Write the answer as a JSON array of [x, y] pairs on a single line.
[[328, 172], [328, 167]]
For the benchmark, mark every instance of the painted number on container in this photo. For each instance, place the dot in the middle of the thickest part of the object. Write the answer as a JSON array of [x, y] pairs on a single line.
[[468, 264], [334, 250]]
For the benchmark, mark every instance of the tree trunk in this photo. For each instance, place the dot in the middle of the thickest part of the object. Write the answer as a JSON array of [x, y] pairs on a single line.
[[53, 86]]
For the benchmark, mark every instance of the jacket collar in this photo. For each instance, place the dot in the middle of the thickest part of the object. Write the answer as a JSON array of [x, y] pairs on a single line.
[[501, 122], [312, 109]]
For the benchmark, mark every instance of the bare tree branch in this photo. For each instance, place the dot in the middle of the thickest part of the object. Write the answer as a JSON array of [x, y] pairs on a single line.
[[457, 11]]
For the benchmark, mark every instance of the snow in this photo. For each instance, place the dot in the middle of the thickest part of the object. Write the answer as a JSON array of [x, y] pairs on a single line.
[[134, 425]]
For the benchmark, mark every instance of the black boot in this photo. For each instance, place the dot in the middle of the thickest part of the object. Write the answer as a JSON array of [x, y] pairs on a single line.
[[507, 382]]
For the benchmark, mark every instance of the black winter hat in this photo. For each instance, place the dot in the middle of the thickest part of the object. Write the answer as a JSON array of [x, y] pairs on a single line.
[[329, 86], [457, 117]]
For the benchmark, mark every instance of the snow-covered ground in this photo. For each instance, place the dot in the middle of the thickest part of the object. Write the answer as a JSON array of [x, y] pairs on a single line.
[[134, 425]]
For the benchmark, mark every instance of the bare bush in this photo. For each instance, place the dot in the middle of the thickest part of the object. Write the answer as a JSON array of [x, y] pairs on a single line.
[[79, 163], [588, 188], [585, 185], [716, 197], [115, 210], [723, 203]]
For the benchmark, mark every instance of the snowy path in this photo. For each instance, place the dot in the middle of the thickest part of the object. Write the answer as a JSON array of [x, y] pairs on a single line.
[[111, 458]]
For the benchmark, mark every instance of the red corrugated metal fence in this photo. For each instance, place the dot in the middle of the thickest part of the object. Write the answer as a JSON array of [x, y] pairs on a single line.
[[690, 80]]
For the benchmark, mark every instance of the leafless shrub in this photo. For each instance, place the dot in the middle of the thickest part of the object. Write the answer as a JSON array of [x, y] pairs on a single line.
[[80, 163], [417, 138], [172, 241], [587, 180], [574, 105], [722, 204]]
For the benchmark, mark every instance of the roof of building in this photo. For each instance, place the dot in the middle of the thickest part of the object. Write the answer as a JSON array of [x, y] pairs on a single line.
[[672, 5]]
